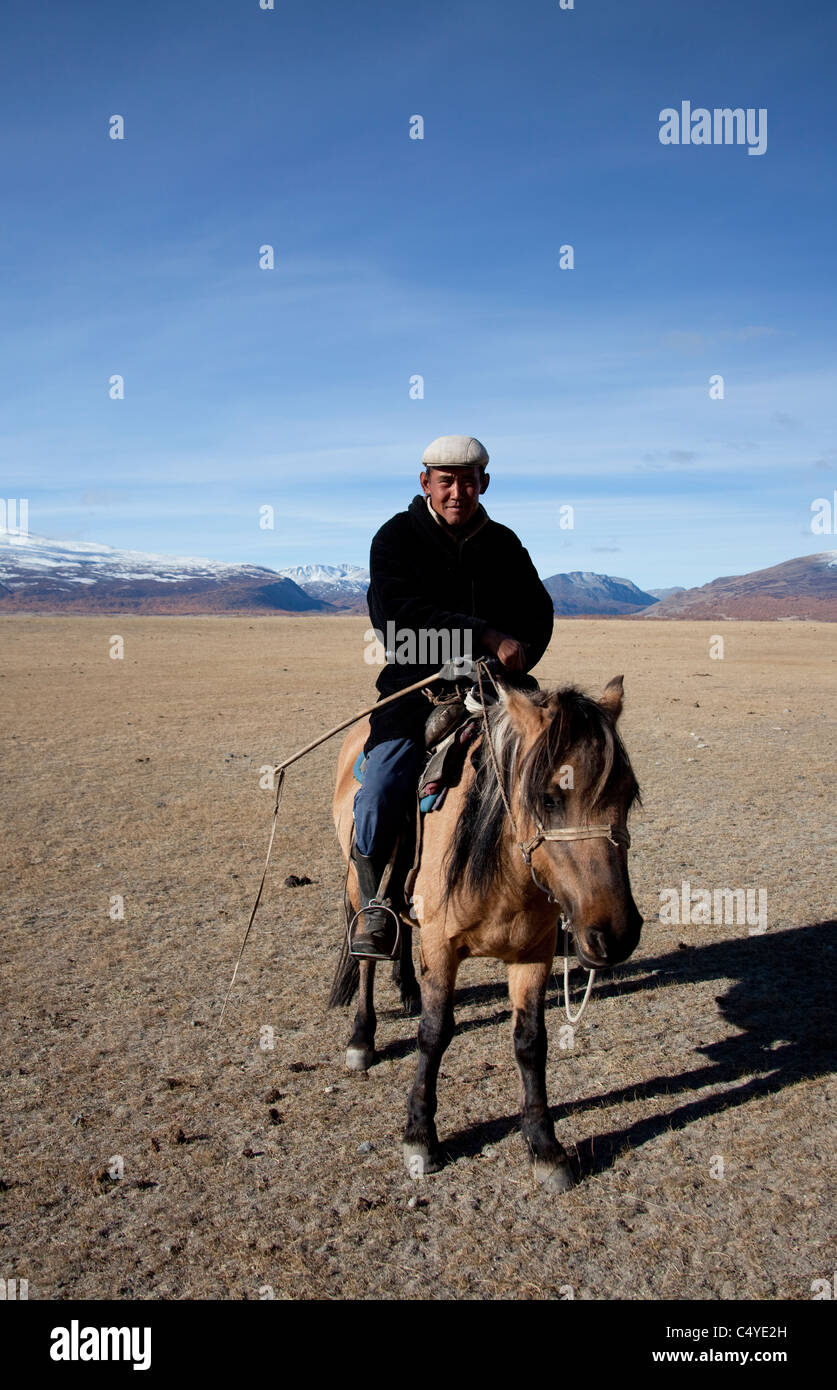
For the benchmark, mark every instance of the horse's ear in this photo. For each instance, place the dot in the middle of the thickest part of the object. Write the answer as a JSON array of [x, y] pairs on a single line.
[[612, 697], [528, 719]]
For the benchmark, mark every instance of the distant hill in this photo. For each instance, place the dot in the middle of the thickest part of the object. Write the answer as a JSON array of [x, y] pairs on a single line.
[[802, 588], [39, 575], [45, 576], [582, 593], [667, 593]]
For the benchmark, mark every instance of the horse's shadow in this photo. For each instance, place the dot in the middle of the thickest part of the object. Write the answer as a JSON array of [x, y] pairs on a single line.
[[781, 1000]]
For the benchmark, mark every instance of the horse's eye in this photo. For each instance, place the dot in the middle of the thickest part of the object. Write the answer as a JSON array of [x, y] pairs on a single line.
[[552, 803]]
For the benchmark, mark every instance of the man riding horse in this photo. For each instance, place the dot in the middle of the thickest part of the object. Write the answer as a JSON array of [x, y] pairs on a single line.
[[440, 567]]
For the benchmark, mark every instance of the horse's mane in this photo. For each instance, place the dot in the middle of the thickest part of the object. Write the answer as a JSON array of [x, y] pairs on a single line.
[[474, 860]]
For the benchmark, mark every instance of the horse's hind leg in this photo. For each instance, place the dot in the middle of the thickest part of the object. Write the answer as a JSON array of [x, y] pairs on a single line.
[[527, 987], [404, 973], [360, 1054], [421, 1142]]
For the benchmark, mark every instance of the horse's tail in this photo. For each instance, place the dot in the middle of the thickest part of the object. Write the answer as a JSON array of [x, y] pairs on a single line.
[[346, 978]]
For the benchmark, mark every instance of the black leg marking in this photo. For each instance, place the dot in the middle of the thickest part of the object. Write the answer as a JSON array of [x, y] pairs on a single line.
[[360, 1053], [435, 1032], [551, 1165]]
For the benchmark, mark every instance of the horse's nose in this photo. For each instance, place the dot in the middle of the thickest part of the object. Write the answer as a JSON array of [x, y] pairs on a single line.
[[598, 944], [602, 944], [628, 940]]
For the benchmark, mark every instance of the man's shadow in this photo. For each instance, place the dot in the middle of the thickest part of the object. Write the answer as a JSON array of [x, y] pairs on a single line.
[[782, 1001]]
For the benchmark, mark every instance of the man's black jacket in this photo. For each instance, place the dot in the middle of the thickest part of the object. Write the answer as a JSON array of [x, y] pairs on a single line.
[[427, 575]]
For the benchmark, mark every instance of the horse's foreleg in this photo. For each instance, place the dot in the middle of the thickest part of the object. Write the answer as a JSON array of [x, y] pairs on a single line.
[[404, 973], [527, 987], [421, 1142], [360, 1053]]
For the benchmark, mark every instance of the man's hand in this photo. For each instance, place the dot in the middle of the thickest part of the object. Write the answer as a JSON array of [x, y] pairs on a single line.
[[507, 649]]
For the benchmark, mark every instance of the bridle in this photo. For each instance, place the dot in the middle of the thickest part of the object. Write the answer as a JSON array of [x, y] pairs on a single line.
[[617, 834]]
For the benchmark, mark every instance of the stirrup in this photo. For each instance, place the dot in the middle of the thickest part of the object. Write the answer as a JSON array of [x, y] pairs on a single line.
[[374, 905]]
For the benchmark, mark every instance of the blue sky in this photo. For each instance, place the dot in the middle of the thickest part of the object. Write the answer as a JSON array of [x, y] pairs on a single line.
[[439, 257]]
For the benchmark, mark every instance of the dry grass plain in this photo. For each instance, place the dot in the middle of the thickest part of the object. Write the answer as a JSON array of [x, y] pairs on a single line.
[[247, 1167]]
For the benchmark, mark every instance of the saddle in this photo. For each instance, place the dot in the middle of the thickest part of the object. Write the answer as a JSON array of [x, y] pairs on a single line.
[[446, 759]]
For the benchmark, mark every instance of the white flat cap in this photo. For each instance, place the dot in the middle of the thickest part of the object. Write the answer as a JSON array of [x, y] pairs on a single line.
[[454, 451]]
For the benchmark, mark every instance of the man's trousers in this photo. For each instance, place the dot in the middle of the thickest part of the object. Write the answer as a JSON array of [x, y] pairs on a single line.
[[387, 795]]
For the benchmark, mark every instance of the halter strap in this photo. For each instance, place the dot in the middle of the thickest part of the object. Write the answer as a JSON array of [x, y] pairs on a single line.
[[617, 834]]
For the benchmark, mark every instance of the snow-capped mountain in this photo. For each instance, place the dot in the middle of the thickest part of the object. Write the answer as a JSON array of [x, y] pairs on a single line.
[[83, 562], [349, 576], [37, 574], [344, 586]]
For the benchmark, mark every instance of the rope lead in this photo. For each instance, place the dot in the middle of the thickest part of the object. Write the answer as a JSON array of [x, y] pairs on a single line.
[[452, 670]]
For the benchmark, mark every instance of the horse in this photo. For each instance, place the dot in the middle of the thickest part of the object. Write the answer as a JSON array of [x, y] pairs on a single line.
[[536, 827]]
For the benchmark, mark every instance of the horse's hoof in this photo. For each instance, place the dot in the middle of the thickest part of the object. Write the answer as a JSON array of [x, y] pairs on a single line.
[[553, 1177], [359, 1058], [419, 1160]]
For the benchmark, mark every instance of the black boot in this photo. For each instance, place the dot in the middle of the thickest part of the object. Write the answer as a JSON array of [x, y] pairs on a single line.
[[376, 931]]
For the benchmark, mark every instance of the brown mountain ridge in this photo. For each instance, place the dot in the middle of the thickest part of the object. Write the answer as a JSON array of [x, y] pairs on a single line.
[[804, 588]]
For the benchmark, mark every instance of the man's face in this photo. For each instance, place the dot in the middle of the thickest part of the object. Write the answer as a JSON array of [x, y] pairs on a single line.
[[454, 492]]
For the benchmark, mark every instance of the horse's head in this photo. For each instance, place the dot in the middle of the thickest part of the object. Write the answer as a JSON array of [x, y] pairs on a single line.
[[573, 777]]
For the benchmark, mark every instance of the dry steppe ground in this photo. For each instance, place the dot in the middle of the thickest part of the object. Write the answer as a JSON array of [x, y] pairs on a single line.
[[248, 1166]]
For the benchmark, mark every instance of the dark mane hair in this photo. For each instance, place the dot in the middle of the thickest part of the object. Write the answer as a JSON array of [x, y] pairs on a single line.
[[475, 858]]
